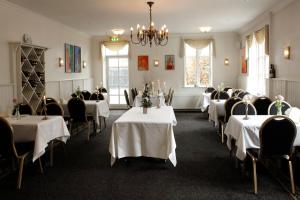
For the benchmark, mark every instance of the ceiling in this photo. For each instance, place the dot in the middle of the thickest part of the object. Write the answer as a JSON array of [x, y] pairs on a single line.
[[98, 17]]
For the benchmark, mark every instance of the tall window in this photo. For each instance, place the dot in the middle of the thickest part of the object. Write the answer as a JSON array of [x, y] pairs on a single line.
[[258, 67], [117, 74], [198, 66]]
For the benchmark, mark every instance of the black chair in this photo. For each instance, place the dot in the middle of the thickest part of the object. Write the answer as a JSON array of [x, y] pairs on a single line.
[[168, 96], [224, 119], [239, 108], [96, 96], [209, 89], [171, 98], [236, 92], [227, 88], [136, 92], [242, 94], [86, 94], [77, 111], [272, 110], [133, 94], [75, 95], [213, 94], [24, 109], [127, 99], [221, 95], [276, 135], [262, 104], [9, 149], [102, 90]]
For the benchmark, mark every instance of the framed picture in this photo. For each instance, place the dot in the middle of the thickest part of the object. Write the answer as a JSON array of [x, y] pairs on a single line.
[[143, 63], [169, 62], [69, 58], [244, 61], [77, 59]]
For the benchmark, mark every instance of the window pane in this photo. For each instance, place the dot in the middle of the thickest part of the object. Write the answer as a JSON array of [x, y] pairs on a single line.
[[114, 99], [113, 91], [113, 62], [110, 53], [123, 62], [124, 51], [190, 73]]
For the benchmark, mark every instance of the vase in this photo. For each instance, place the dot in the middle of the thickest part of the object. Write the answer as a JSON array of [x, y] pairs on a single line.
[[279, 112], [18, 115], [145, 110]]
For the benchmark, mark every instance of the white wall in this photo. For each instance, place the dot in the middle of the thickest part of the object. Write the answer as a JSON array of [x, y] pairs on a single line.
[[15, 21], [227, 46]]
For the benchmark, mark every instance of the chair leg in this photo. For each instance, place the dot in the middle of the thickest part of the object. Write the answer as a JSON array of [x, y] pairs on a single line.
[[51, 153], [41, 166], [292, 176], [89, 129], [104, 122], [21, 165], [222, 132], [254, 176]]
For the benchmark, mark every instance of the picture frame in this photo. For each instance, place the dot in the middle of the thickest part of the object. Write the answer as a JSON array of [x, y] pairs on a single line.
[[77, 59], [143, 63], [244, 62], [69, 58], [169, 62]]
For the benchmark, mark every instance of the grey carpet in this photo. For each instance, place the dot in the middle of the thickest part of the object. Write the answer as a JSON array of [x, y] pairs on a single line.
[[204, 171]]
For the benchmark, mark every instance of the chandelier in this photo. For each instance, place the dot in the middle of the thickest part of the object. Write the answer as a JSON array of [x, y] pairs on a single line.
[[143, 35]]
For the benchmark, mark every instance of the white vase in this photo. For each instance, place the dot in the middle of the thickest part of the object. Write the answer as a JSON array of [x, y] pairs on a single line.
[[145, 110], [279, 112]]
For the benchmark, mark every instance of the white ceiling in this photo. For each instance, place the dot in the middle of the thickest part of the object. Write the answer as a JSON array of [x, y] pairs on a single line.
[[98, 17]]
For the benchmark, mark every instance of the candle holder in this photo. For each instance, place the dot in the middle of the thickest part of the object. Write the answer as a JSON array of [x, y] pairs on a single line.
[[246, 112], [45, 113]]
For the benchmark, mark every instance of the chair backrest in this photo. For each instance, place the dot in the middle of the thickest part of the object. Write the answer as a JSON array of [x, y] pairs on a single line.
[[213, 94], [127, 98], [94, 96], [80, 96], [239, 108], [221, 95], [262, 104], [48, 100], [86, 94], [102, 90], [7, 148], [242, 94], [136, 92], [277, 135], [24, 109], [228, 106], [171, 98], [209, 89], [168, 96], [227, 88], [133, 94], [235, 92], [76, 107], [272, 110], [53, 109]]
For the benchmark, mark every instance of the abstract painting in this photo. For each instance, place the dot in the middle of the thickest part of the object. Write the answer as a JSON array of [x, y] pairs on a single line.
[[169, 62], [244, 61], [143, 63], [77, 59], [69, 58]]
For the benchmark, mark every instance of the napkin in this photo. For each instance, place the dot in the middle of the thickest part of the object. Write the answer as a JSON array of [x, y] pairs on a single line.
[[294, 114]]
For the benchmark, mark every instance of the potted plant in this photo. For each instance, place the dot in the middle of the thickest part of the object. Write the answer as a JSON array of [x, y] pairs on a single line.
[[146, 102]]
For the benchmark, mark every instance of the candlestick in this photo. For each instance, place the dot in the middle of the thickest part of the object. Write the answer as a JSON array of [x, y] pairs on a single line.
[[44, 100]]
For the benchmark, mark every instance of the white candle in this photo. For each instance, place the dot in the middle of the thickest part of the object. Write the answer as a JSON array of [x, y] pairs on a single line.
[[44, 100]]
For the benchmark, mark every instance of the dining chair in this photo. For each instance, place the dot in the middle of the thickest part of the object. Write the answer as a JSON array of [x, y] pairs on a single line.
[[224, 119], [167, 97], [171, 98], [127, 99], [221, 95], [75, 95], [209, 89], [133, 94], [227, 88], [213, 94], [96, 96], [236, 92], [77, 111], [24, 109], [102, 90], [86, 94], [239, 108], [10, 149], [262, 104], [272, 110], [276, 135], [242, 94], [136, 92]]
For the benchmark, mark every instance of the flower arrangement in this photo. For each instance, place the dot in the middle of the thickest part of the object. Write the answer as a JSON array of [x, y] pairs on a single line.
[[278, 103], [146, 102], [247, 101], [16, 108], [220, 88], [78, 92]]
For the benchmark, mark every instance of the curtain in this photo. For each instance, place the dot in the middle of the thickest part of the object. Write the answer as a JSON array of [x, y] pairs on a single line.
[[197, 44], [113, 46]]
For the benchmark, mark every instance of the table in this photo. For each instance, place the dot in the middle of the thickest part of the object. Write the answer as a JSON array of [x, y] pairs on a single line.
[[154, 99], [246, 133], [216, 109], [204, 101], [136, 134], [32, 128], [93, 108]]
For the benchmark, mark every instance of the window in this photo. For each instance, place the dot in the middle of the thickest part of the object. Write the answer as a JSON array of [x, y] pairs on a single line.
[[117, 74], [198, 66], [258, 68]]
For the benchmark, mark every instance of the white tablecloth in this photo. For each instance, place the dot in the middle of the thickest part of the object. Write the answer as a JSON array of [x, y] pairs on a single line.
[[136, 134], [154, 99], [204, 101], [33, 128], [246, 133], [216, 109], [93, 108]]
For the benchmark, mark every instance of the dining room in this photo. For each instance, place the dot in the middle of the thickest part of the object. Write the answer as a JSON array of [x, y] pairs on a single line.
[[149, 99]]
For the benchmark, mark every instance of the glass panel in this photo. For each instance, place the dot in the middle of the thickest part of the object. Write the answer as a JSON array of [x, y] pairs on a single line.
[[122, 99], [123, 62], [114, 99], [113, 91], [110, 53], [124, 51], [190, 71], [123, 72], [189, 51], [113, 62]]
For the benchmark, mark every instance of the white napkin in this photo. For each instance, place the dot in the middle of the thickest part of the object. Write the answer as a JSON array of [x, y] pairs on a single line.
[[294, 114]]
